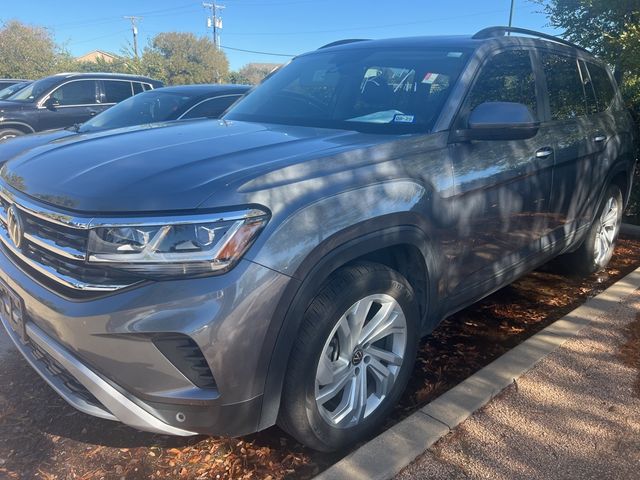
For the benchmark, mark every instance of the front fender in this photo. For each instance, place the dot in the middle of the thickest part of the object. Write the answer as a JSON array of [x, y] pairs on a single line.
[[348, 214]]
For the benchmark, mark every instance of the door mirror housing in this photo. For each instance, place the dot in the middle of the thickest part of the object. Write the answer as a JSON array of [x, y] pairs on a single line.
[[499, 121], [51, 103]]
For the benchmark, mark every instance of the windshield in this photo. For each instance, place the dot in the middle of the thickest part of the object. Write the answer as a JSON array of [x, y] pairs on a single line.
[[34, 91], [11, 89], [148, 107], [381, 91]]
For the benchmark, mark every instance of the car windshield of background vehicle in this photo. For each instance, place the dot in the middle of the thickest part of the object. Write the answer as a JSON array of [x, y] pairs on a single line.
[[10, 90], [377, 91], [34, 91], [149, 107]]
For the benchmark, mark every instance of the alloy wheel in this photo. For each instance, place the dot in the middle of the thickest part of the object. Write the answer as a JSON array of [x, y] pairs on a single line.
[[360, 360], [607, 230]]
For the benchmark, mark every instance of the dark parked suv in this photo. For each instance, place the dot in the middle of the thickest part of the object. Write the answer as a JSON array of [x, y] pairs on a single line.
[[65, 99], [281, 265]]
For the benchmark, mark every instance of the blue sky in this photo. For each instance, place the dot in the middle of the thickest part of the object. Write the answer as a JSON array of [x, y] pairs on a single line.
[[275, 26]]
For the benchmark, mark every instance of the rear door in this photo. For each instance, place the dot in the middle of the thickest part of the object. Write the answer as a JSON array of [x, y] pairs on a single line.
[[574, 173], [503, 187], [70, 103], [114, 91]]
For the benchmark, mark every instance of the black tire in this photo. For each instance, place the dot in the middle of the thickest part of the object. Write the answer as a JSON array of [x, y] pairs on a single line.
[[585, 260], [7, 133], [299, 413]]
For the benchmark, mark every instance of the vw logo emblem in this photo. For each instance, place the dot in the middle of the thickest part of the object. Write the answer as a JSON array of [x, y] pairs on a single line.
[[358, 355], [14, 226]]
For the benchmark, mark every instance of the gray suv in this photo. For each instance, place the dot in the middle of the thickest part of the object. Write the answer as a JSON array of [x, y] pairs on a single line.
[[280, 265]]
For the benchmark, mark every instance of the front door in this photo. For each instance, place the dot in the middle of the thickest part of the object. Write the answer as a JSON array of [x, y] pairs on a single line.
[[72, 102], [502, 187]]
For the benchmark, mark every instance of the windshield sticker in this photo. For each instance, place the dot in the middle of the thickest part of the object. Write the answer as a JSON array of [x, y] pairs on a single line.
[[430, 78], [401, 118]]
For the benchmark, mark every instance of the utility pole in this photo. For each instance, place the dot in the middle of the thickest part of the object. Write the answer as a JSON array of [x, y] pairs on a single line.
[[511, 15], [134, 29], [214, 21]]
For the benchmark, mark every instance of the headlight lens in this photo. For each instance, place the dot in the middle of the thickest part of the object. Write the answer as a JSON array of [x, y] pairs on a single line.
[[188, 247]]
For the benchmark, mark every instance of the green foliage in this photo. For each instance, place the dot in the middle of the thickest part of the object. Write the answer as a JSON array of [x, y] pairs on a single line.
[[30, 52], [181, 58], [252, 73], [611, 30]]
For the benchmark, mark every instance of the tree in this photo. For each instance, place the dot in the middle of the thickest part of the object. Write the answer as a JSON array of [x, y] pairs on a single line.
[[30, 52], [181, 58], [610, 28], [252, 73]]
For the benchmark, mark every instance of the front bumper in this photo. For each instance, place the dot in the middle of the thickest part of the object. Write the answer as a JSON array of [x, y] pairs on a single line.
[[97, 353]]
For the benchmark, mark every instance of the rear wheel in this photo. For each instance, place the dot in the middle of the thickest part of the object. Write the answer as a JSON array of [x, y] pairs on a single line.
[[597, 249], [7, 133], [352, 358]]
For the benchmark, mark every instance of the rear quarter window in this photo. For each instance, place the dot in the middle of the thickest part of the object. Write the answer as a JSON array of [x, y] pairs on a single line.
[[605, 91]]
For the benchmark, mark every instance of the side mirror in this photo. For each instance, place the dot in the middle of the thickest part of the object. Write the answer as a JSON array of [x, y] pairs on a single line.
[[51, 103], [500, 121]]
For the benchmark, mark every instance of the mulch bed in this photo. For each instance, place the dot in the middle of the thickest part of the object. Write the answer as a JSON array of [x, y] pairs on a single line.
[[42, 437]]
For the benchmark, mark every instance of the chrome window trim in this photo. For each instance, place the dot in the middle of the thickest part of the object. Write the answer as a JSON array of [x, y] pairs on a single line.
[[208, 100], [40, 104]]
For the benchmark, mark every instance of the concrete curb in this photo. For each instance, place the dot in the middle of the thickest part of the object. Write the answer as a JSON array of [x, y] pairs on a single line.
[[630, 230], [391, 451]]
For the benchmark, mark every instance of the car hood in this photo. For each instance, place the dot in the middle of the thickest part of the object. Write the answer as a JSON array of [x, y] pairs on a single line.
[[11, 147], [161, 167], [8, 105]]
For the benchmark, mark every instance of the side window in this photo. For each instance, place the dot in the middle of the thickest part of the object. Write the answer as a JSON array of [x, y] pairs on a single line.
[[115, 91], [212, 107], [147, 86], [506, 77], [602, 84], [592, 104], [137, 87], [566, 93], [81, 92]]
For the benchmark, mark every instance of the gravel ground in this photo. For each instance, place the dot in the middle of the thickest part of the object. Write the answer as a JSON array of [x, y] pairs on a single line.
[[5, 344], [574, 415]]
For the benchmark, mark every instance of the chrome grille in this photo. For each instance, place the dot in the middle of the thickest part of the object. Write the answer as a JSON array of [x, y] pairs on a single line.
[[54, 245]]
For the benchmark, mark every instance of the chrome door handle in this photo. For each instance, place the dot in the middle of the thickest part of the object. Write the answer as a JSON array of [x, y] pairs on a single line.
[[544, 152], [599, 138]]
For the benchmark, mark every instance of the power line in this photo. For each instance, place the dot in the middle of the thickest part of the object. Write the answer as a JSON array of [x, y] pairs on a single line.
[[261, 53], [339, 30]]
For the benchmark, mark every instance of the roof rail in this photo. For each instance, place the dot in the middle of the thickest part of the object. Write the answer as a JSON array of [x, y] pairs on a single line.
[[501, 31], [343, 42]]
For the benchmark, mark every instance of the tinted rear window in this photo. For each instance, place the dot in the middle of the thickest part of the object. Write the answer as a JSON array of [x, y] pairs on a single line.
[[566, 93], [212, 108], [115, 91], [605, 91]]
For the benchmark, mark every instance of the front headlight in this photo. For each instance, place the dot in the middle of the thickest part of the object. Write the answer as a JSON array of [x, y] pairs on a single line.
[[192, 246]]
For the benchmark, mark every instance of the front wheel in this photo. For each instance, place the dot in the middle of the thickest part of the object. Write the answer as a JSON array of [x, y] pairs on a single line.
[[597, 249], [352, 358], [7, 133]]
